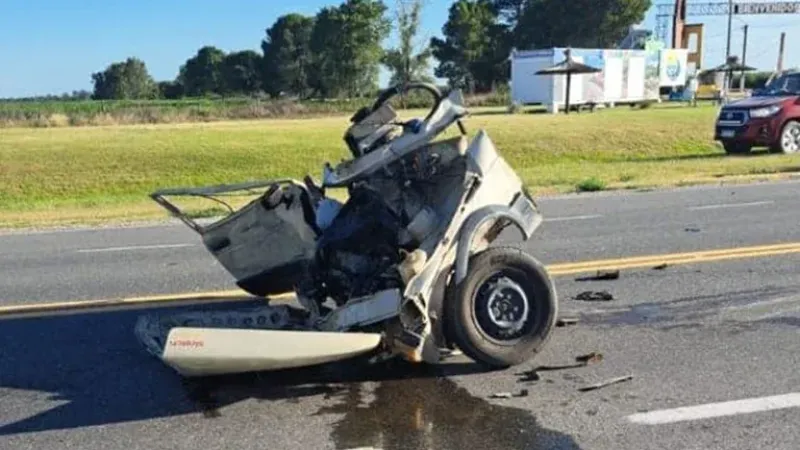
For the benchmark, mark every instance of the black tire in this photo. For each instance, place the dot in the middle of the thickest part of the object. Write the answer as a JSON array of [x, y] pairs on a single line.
[[736, 148], [468, 327]]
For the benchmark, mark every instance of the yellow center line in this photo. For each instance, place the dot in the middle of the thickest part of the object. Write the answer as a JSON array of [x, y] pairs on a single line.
[[704, 256], [560, 269]]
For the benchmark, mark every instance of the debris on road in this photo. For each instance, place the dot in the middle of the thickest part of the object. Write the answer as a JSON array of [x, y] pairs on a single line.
[[522, 393], [564, 321], [692, 229], [601, 275], [590, 358], [581, 361], [446, 353], [529, 376], [661, 266], [594, 296], [603, 384]]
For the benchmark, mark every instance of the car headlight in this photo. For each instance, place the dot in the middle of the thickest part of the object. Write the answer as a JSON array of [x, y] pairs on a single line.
[[765, 112]]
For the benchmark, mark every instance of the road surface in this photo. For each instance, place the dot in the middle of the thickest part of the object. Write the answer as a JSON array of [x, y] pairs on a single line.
[[712, 347]]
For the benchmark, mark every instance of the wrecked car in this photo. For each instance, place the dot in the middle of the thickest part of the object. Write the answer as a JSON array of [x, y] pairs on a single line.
[[405, 267]]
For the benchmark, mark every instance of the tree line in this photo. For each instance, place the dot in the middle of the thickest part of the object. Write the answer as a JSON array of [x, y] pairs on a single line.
[[339, 51]]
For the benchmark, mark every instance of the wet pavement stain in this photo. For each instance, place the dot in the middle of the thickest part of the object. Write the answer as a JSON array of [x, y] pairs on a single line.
[[433, 413], [410, 408]]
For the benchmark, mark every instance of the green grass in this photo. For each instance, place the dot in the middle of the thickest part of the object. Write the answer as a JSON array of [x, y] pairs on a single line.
[[93, 174], [592, 184]]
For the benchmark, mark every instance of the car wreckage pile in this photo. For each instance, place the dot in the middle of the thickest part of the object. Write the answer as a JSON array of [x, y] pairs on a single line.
[[403, 268]]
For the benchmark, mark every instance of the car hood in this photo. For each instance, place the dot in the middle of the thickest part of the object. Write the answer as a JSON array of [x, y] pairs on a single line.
[[758, 102]]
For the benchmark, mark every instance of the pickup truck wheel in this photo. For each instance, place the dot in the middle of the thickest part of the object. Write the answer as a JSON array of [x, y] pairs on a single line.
[[736, 148], [789, 141], [504, 311]]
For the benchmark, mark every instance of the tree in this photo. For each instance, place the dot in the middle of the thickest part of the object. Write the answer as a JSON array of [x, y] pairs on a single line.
[[325, 77], [201, 74], [171, 90], [287, 55], [346, 43], [405, 62], [578, 23], [241, 72], [124, 80], [474, 52]]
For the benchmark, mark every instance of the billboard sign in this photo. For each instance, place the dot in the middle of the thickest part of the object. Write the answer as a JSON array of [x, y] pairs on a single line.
[[672, 67], [767, 8]]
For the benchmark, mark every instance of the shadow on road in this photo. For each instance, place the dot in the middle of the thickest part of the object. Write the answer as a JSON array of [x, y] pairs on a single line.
[[93, 364]]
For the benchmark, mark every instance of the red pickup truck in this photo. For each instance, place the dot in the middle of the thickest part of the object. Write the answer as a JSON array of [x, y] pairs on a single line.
[[770, 118]]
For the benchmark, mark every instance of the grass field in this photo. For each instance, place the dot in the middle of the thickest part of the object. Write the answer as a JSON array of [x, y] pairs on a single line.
[[92, 174]]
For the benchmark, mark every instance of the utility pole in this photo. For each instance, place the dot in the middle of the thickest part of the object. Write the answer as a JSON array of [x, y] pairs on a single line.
[[744, 59], [780, 52], [728, 49], [730, 22]]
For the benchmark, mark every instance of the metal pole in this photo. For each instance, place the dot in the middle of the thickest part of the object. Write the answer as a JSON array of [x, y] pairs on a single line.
[[744, 59], [730, 22], [728, 50], [780, 52]]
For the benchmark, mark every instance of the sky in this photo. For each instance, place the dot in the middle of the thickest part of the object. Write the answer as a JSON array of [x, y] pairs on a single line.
[[53, 46]]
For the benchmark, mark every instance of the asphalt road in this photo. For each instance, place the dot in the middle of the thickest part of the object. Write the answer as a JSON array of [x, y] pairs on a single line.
[[121, 262], [690, 336]]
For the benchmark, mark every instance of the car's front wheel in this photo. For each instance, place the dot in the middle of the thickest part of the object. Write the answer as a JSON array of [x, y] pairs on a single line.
[[789, 140], [503, 313]]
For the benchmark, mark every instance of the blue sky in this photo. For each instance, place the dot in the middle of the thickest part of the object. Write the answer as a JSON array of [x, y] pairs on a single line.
[[53, 46]]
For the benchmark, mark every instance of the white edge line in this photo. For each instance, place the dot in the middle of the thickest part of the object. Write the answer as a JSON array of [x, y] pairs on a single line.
[[568, 218], [730, 205], [710, 410], [133, 247]]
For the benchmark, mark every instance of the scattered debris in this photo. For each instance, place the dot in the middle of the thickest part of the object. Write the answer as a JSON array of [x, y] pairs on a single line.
[[561, 367], [661, 266], [445, 353], [564, 321], [590, 358], [692, 229], [594, 296], [601, 275], [603, 384], [581, 361], [529, 376], [501, 395], [522, 393]]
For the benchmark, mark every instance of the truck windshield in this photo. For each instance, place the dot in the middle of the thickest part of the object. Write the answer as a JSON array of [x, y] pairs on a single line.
[[784, 85]]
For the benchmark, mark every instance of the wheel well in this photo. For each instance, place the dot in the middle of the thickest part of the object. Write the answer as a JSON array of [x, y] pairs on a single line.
[[473, 224]]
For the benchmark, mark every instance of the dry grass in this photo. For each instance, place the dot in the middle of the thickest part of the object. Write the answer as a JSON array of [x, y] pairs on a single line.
[[90, 175]]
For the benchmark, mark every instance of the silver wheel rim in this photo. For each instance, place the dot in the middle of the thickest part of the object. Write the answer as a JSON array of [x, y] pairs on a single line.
[[790, 139], [506, 307]]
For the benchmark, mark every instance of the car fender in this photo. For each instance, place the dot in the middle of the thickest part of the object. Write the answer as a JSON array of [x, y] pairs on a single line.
[[522, 213]]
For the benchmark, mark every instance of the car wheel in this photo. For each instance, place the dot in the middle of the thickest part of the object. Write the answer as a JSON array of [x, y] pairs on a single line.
[[736, 148], [789, 140], [504, 311]]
